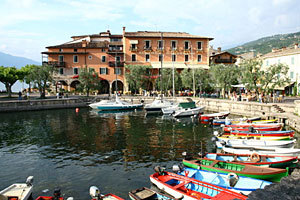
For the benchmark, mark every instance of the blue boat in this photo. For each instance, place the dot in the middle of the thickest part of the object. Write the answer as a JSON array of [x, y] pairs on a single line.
[[231, 181]]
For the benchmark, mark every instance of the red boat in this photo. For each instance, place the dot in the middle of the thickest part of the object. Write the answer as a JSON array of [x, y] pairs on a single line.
[[254, 125], [264, 133], [56, 196], [258, 129], [96, 195], [189, 188], [210, 117]]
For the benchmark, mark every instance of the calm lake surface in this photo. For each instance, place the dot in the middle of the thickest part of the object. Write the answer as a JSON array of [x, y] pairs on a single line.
[[72, 151]]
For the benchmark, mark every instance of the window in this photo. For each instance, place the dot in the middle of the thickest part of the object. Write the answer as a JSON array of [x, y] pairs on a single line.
[[133, 46], [291, 75], [60, 58], [90, 57], [292, 60], [160, 44], [116, 39], [267, 63], [147, 58], [118, 58], [186, 58], [118, 71], [75, 70], [174, 58], [75, 59], [103, 70], [133, 57], [160, 58], [61, 71], [278, 61], [60, 50], [147, 44], [173, 45], [103, 50], [199, 58], [103, 59], [75, 50], [186, 45], [199, 45]]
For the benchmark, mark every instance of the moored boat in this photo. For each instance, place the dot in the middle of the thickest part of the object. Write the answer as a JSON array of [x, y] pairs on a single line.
[[117, 104], [227, 121], [255, 159], [191, 189], [146, 193], [270, 174], [253, 129], [186, 112], [18, 191], [254, 125], [157, 105], [96, 195], [263, 151], [289, 133], [56, 196], [255, 143], [259, 137], [241, 184], [210, 117]]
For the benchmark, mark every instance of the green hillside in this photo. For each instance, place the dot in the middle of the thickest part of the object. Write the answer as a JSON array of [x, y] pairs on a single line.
[[266, 44]]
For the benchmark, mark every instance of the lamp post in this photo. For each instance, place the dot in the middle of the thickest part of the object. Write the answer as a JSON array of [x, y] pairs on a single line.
[[173, 73]]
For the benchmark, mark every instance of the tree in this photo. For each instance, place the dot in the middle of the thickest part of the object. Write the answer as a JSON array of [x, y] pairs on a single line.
[[10, 75], [202, 79], [27, 70], [224, 76], [167, 76], [251, 73], [137, 76], [41, 77], [89, 80], [274, 76]]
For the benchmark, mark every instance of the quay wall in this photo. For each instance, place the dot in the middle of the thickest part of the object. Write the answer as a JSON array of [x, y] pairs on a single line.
[[43, 104]]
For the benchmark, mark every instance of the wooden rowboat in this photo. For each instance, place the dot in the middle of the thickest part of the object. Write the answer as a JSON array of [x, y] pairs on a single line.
[[255, 159], [186, 188], [227, 136], [146, 193], [254, 125], [253, 129], [271, 174]]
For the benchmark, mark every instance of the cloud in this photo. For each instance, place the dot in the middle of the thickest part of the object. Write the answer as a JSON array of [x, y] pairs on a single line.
[[280, 2]]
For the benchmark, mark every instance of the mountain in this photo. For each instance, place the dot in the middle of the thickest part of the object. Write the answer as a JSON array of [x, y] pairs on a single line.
[[7, 60], [266, 44]]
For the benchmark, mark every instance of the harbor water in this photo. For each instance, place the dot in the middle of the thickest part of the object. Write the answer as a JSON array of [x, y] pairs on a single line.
[[73, 151]]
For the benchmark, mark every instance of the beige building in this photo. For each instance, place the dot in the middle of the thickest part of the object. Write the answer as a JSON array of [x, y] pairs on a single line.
[[289, 56]]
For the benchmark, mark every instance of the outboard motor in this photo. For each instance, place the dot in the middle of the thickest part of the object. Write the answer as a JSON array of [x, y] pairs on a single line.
[[223, 143], [29, 181], [187, 156], [95, 193], [56, 194], [216, 133], [177, 168], [251, 129], [214, 139], [233, 179], [159, 170], [201, 154]]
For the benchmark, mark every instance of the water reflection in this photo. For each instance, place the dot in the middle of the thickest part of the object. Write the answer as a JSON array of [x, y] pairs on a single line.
[[115, 151]]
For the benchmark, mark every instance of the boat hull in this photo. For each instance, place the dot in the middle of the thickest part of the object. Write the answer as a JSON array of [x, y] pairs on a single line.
[[256, 143]]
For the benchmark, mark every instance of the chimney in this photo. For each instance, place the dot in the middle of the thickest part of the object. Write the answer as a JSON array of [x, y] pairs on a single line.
[[124, 30], [296, 46], [84, 43], [219, 49]]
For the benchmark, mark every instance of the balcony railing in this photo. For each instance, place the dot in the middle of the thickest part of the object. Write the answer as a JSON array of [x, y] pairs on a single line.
[[225, 60], [55, 63], [113, 63], [146, 48], [115, 50], [133, 49]]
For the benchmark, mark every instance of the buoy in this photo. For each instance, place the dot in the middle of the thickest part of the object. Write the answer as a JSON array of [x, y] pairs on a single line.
[[77, 110]]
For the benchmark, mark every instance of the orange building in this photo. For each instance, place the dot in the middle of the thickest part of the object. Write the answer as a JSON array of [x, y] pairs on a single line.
[[107, 55]]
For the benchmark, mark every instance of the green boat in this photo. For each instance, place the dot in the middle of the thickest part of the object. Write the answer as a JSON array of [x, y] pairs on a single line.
[[264, 173]]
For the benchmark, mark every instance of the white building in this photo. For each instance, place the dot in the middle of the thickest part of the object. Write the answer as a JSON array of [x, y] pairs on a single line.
[[290, 57]]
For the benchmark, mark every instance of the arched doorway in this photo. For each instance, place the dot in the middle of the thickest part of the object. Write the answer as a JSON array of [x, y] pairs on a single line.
[[120, 86], [74, 85], [104, 87], [61, 85]]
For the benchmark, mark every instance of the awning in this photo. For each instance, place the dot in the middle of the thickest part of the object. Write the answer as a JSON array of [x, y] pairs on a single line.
[[178, 65], [238, 86], [284, 86], [133, 41]]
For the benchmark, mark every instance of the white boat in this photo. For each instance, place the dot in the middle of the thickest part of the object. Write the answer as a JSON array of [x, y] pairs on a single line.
[[157, 105], [185, 112], [263, 151], [19, 191], [255, 143], [116, 104]]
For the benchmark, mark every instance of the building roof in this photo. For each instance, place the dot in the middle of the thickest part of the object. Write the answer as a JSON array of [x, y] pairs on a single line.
[[282, 52], [79, 45], [222, 52], [157, 34]]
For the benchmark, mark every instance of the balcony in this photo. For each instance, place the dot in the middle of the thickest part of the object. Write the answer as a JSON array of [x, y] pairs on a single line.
[[115, 50], [113, 63], [187, 50], [147, 48], [55, 63], [219, 60], [133, 49]]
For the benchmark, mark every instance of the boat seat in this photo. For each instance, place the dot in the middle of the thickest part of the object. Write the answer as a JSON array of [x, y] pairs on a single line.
[[181, 184], [213, 163]]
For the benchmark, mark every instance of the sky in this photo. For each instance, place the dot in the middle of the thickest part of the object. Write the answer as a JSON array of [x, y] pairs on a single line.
[[28, 26]]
